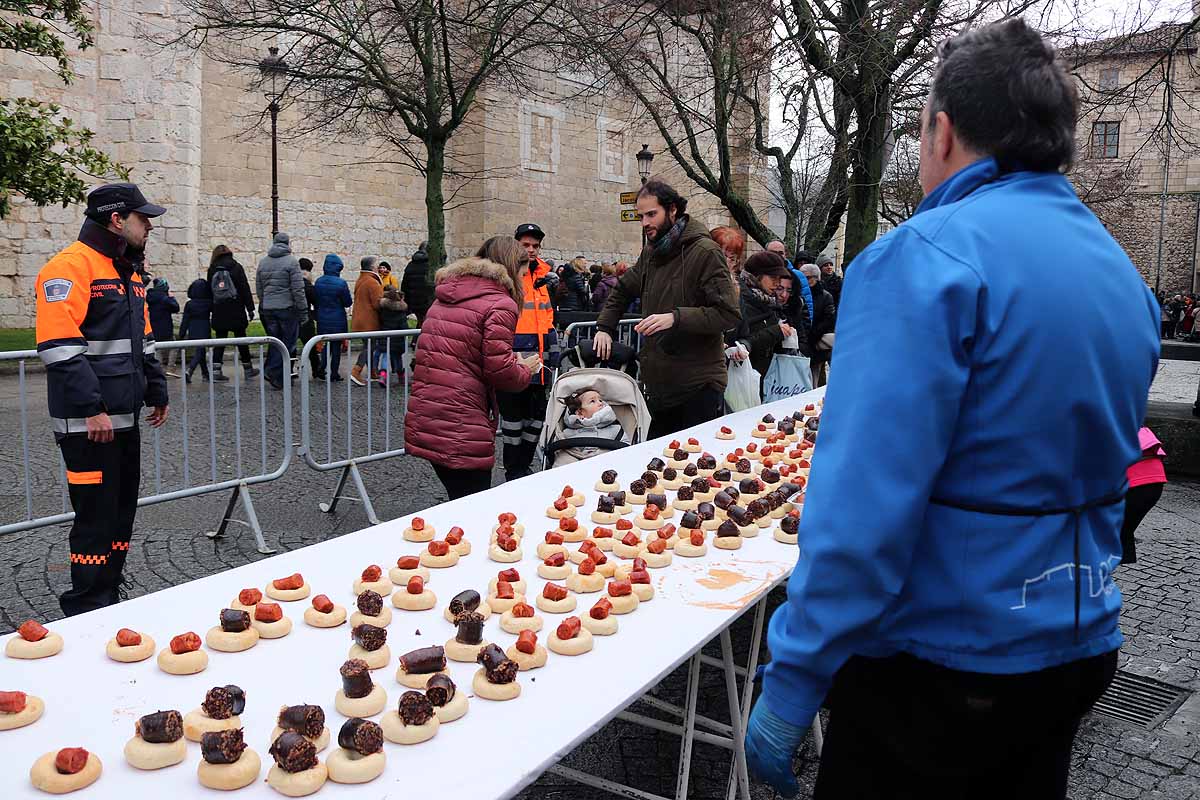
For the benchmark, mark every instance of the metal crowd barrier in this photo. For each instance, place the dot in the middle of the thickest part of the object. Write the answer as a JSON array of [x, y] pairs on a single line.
[[182, 412], [396, 345]]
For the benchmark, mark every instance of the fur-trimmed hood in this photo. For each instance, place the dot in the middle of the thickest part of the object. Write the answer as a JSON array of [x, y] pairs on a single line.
[[461, 280]]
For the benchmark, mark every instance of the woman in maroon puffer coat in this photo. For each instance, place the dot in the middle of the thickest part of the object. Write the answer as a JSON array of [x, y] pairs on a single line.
[[464, 356]]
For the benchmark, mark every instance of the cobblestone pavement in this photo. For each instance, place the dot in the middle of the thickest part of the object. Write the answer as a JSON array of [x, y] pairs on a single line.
[[1162, 591]]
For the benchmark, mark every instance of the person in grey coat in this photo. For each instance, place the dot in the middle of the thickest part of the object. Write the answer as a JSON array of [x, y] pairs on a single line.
[[282, 305]]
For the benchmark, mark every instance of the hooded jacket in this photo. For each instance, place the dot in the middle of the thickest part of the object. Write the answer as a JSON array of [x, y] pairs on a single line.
[[94, 335], [279, 282], [393, 311], [464, 356], [197, 311], [1012, 403], [333, 297], [368, 291], [162, 308], [691, 281], [232, 316], [415, 285]]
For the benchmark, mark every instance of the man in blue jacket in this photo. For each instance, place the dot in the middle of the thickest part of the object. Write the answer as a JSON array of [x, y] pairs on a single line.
[[954, 583]]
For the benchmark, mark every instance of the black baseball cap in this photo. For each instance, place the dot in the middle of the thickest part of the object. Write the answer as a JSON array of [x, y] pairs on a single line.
[[120, 197], [529, 229]]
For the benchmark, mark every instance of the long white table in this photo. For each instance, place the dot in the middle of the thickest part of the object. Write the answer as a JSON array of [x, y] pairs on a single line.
[[496, 749]]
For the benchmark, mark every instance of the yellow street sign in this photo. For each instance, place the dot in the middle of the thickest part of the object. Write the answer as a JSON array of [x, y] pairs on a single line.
[[628, 198], [630, 215]]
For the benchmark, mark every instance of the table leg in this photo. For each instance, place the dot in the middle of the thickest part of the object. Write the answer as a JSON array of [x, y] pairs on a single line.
[[735, 716], [689, 728], [760, 613]]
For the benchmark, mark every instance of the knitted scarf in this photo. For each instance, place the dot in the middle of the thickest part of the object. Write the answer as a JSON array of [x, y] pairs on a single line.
[[749, 284], [666, 243]]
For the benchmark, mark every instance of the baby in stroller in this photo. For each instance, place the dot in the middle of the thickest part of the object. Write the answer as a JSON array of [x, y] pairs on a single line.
[[589, 416]]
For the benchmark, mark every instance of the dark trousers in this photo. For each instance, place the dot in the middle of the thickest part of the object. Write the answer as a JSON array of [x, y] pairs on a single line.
[[1138, 502], [332, 351], [307, 331], [219, 351], [704, 405], [284, 325], [463, 482], [199, 359], [901, 728], [522, 415], [102, 480]]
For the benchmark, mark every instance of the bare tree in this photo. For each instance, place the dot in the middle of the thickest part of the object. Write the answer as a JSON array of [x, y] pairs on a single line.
[[404, 72]]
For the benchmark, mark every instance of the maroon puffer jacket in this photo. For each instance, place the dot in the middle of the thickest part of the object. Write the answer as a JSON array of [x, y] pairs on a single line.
[[464, 355]]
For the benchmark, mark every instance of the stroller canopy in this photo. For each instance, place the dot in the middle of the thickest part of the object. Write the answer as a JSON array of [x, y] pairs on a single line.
[[618, 389]]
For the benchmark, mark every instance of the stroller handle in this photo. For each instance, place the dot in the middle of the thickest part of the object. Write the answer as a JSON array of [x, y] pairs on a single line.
[[583, 441]]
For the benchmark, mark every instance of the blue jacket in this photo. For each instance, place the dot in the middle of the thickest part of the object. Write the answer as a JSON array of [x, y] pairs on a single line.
[[162, 307], [333, 297], [1014, 373], [805, 291], [197, 312]]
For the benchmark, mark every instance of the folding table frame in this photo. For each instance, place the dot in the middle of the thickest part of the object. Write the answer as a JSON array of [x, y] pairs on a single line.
[[694, 727]]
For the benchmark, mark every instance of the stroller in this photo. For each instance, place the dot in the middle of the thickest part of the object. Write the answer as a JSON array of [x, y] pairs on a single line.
[[615, 380]]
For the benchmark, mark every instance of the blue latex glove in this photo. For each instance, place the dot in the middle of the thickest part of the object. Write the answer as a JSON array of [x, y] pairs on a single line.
[[771, 744]]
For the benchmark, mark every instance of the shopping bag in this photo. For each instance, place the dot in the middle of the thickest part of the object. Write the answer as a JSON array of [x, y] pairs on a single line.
[[787, 376], [741, 392]]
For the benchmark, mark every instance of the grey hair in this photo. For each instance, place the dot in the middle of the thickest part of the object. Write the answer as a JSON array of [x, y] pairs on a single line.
[[369, 263], [811, 271]]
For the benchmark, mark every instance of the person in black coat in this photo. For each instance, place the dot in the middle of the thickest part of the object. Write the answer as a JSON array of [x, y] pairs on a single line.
[[196, 324], [308, 329], [764, 321], [231, 318], [415, 285], [162, 307], [573, 294], [824, 320]]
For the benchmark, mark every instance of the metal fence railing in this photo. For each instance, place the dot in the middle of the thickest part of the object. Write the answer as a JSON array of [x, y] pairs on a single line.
[[368, 432], [192, 430]]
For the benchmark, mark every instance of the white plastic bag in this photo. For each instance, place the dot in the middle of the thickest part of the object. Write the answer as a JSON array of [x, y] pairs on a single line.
[[741, 392], [787, 376]]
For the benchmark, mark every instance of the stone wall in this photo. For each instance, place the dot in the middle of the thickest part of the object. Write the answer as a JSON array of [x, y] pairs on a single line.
[[1134, 221], [144, 105], [196, 137]]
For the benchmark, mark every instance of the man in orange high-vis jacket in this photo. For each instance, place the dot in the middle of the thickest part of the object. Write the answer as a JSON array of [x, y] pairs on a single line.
[[94, 336], [523, 413]]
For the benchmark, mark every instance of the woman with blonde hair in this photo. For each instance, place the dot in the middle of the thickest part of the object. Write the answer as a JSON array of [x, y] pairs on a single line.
[[465, 356]]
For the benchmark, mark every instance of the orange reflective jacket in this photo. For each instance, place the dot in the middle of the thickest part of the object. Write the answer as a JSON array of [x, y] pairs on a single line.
[[94, 335], [535, 327]]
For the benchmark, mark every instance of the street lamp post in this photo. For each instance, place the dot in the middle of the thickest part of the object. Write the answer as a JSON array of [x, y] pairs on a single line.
[[644, 158], [271, 68]]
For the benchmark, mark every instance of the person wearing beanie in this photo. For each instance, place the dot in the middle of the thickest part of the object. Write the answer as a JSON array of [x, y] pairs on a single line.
[[163, 307], [281, 302], [829, 278]]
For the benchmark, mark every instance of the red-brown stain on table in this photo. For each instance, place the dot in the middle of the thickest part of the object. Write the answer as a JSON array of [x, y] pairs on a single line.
[[723, 579]]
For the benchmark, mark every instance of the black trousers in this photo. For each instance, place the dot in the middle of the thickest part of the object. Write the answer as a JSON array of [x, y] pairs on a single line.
[[522, 415], [1138, 502], [463, 482], [703, 406], [219, 351], [901, 727], [102, 480]]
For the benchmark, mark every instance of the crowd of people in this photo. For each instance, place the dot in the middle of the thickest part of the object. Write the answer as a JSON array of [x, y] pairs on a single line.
[[1178, 314]]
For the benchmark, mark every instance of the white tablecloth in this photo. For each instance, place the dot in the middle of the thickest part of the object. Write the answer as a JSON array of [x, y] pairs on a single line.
[[495, 750]]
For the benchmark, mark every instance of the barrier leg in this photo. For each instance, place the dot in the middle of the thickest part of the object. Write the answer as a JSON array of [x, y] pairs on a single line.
[[351, 471], [242, 492], [735, 716]]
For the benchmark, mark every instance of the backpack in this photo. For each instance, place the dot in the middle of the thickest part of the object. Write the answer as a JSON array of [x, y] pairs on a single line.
[[223, 290]]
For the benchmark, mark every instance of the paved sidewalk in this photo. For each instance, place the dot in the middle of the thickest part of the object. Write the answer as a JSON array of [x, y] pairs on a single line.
[[1161, 620]]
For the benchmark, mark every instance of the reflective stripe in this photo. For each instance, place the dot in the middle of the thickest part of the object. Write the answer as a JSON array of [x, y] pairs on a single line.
[[80, 558], [148, 347], [109, 347], [534, 424], [120, 546], [515, 427], [53, 355], [510, 439], [530, 437], [94, 477], [79, 424]]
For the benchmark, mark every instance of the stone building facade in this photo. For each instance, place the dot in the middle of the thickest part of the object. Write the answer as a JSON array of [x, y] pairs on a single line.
[[1131, 167], [195, 135]]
